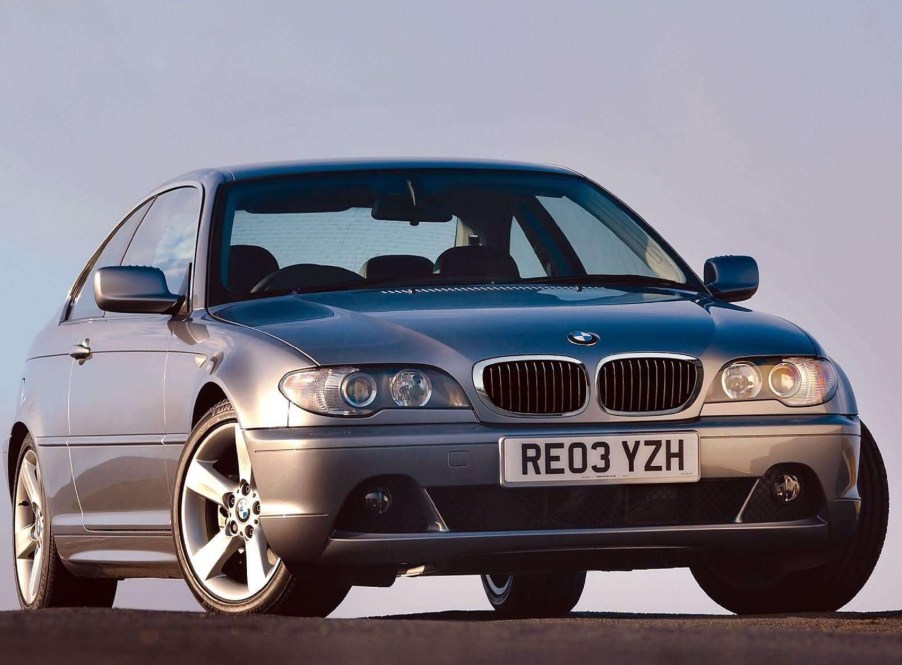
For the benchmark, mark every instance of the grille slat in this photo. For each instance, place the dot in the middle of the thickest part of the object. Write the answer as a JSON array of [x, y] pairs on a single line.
[[536, 386], [647, 384], [551, 383], [632, 387], [655, 405], [672, 384], [622, 385], [519, 388]]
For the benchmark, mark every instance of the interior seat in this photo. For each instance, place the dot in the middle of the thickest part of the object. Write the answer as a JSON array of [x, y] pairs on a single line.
[[396, 266], [248, 264], [477, 261]]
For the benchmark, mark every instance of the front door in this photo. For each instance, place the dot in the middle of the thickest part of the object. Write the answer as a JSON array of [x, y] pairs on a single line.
[[117, 419], [117, 422]]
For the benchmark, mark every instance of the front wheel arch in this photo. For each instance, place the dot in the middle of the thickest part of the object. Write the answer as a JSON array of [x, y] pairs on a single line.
[[284, 591], [16, 441], [209, 396], [745, 586]]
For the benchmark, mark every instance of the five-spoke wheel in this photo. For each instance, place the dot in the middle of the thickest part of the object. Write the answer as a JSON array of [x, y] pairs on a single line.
[[219, 534], [41, 578], [28, 527], [220, 518]]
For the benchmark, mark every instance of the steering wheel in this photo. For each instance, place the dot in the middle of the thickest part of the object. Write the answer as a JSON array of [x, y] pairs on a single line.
[[305, 276]]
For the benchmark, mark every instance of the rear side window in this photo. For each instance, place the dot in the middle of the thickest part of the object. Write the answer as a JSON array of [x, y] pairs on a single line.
[[167, 236], [84, 306]]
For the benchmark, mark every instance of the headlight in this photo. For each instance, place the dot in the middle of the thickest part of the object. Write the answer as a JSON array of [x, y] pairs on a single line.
[[816, 384], [319, 390], [785, 380], [411, 388], [354, 391], [741, 381], [358, 390], [793, 381]]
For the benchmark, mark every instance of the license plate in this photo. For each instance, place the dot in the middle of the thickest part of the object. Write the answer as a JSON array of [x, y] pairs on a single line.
[[599, 460]]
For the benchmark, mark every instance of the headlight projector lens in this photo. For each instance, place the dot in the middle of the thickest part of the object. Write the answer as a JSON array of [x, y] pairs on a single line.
[[411, 388], [741, 381], [785, 380], [358, 390]]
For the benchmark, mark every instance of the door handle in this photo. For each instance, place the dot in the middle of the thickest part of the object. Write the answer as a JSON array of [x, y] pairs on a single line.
[[82, 350]]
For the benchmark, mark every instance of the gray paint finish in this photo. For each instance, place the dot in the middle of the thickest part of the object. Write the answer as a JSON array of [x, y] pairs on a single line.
[[131, 404]]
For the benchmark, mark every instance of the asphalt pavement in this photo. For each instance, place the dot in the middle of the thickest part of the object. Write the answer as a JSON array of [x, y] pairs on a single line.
[[75, 636]]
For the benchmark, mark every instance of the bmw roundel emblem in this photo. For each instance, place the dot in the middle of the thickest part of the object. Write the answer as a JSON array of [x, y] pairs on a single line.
[[582, 338]]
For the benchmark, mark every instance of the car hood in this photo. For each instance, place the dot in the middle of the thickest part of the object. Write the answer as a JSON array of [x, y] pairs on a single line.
[[454, 327]]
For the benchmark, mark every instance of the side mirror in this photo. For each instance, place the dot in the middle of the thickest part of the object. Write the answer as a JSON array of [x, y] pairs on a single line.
[[133, 290], [732, 278]]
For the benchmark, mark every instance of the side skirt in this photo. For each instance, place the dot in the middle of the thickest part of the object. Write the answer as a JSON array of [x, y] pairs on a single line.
[[120, 555]]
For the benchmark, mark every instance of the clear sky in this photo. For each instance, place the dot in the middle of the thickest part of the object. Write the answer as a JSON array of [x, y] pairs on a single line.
[[766, 129]]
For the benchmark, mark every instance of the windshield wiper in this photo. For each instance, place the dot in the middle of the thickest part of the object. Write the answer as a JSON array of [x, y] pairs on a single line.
[[611, 280]]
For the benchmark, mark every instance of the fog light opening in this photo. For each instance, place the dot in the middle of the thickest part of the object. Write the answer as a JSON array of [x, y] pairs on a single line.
[[787, 488], [377, 501]]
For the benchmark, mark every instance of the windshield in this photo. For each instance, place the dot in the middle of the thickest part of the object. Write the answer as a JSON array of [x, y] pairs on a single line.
[[422, 227]]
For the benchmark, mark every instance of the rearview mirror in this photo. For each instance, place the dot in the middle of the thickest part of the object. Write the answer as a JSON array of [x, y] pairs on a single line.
[[133, 290], [400, 208], [732, 278]]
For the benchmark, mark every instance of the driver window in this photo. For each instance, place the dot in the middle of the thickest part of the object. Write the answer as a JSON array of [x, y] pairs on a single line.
[[167, 236], [84, 306]]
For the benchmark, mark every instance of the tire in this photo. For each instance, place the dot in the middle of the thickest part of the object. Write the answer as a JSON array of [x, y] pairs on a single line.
[[246, 576], [41, 579], [749, 588], [538, 595]]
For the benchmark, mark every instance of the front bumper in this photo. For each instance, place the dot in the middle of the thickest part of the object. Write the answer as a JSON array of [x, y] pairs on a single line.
[[306, 475]]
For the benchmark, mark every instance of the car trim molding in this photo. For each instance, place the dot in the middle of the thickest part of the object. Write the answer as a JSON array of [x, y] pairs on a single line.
[[650, 354], [486, 400]]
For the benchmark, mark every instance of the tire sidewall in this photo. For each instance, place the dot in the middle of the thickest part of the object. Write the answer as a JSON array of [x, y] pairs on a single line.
[[495, 598], [828, 587]]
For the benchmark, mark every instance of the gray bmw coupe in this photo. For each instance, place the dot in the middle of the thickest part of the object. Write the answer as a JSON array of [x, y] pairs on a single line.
[[281, 381]]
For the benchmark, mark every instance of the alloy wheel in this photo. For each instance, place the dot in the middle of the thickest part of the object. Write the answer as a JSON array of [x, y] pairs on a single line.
[[28, 526], [220, 519]]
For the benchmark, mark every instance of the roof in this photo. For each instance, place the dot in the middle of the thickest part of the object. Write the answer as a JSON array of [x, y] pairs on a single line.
[[244, 171]]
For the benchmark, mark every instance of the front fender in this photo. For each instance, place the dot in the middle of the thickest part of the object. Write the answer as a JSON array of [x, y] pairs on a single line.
[[246, 364], [844, 401]]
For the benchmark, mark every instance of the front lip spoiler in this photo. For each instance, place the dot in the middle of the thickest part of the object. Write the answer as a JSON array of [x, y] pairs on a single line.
[[351, 548]]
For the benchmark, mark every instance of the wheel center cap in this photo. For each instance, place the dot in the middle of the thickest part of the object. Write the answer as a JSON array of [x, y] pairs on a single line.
[[243, 509]]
